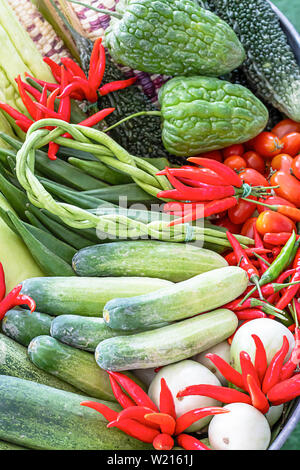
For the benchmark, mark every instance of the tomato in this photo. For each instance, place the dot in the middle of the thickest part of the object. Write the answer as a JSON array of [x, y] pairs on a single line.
[[226, 222], [291, 143], [267, 145], [235, 162], [255, 161], [214, 155], [248, 227], [242, 211], [282, 162], [289, 187], [273, 222], [253, 177], [284, 127], [237, 149], [296, 167], [274, 200]]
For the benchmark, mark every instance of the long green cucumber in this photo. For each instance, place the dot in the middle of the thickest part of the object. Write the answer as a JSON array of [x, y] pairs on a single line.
[[85, 295], [22, 326], [199, 294], [14, 361], [166, 260], [8, 446], [41, 417], [71, 365], [166, 345], [83, 332]]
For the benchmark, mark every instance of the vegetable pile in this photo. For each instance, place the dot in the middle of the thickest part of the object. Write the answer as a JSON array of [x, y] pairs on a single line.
[[158, 303]]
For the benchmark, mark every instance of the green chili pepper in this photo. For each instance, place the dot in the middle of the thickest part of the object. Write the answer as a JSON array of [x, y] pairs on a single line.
[[283, 260]]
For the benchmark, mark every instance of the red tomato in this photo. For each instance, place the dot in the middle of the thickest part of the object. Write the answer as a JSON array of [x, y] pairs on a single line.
[[267, 145], [284, 127], [254, 161], [282, 162], [235, 162], [274, 200], [253, 177], [237, 149], [291, 143], [214, 155], [273, 222], [296, 167], [242, 211], [248, 227], [289, 187], [226, 222]]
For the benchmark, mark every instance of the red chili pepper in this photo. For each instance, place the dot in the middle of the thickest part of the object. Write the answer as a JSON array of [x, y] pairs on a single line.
[[28, 103], [2, 283], [94, 59], [272, 374], [135, 429], [283, 276], [166, 422], [122, 398], [250, 314], [9, 301], [96, 77], [258, 399], [222, 170], [163, 442], [189, 442], [206, 210], [223, 394], [291, 290], [137, 413], [107, 412], [15, 114], [230, 374], [73, 67], [55, 68], [260, 362], [290, 366], [30, 89], [203, 175], [278, 238], [259, 244], [25, 300], [166, 401], [137, 394], [248, 369], [51, 99], [187, 419], [117, 85], [285, 391], [64, 108], [231, 258]]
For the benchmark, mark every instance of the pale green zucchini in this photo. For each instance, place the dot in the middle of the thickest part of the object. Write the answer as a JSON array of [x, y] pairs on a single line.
[[147, 258], [41, 417], [166, 345], [85, 296], [199, 294]]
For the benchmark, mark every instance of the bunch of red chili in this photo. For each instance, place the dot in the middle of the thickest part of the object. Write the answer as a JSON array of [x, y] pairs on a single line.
[[262, 384], [14, 297], [72, 83], [205, 191], [141, 419]]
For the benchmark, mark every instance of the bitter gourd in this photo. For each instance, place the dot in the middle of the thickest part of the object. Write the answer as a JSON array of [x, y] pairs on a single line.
[[172, 37], [270, 66], [204, 113]]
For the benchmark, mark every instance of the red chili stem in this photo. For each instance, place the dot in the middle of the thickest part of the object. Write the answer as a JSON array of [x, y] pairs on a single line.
[[189, 442], [273, 371], [187, 419], [223, 394], [230, 374], [137, 393], [229, 175], [259, 400], [166, 400]]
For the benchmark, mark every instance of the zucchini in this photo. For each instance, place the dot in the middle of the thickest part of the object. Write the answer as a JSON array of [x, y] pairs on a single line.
[[84, 296], [71, 365], [22, 326], [83, 332], [199, 294], [41, 417], [270, 67], [166, 345], [15, 362], [150, 258]]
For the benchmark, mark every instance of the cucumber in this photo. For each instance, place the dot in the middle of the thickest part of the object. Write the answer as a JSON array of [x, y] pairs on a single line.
[[8, 446], [75, 367], [41, 417], [199, 294], [166, 345], [84, 296], [173, 261], [14, 361], [83, 332], [22, 326]]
